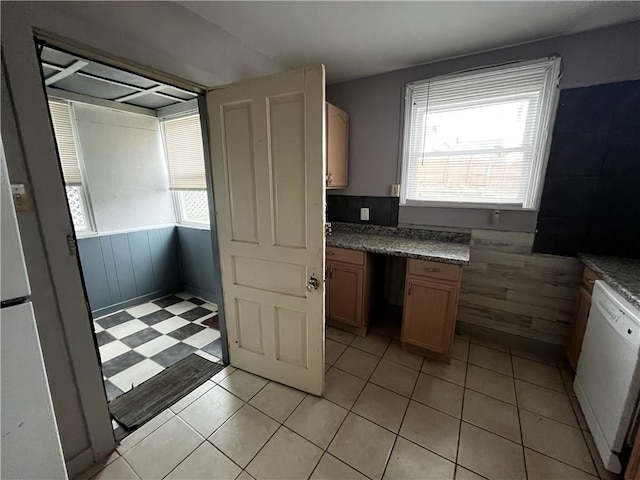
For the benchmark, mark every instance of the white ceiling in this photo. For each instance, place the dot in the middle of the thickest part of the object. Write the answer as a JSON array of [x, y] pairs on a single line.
[[361, 38]]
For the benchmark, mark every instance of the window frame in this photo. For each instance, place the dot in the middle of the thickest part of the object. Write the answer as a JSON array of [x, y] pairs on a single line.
[[176, 194], [534, 189], [178, 205]]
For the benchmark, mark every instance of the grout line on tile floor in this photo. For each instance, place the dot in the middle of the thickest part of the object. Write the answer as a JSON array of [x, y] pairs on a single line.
[[518, 408], [396, 435], [515, 392], [350, 410], [395, 440], [464, 387]]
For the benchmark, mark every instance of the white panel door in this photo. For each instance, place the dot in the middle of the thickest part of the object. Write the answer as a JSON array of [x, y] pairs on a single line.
[[267, 146]]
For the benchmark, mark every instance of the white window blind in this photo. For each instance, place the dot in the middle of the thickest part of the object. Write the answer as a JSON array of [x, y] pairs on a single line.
[[185, 154], [479, 137], [63, 130]]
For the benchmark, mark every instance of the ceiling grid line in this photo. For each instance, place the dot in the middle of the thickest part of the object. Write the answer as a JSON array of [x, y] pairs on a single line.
[[67, 67]]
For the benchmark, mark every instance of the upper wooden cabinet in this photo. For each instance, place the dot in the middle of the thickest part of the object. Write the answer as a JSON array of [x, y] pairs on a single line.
[[430, 306], [337, 148]]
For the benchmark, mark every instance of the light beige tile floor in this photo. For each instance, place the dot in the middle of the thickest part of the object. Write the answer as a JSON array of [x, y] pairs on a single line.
[[491, 413]]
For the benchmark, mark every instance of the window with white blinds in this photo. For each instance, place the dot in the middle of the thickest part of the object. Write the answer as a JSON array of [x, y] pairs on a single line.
[[63, 130], [185, 154], [77, 195], [479, 138]]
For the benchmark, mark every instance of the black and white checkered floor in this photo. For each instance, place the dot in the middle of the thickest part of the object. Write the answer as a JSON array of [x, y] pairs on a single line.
[[139, 342]]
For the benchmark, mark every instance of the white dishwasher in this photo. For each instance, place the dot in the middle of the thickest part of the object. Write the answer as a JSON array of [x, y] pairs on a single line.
[[608, 378]]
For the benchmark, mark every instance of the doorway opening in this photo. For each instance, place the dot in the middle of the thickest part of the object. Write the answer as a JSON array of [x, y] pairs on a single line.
[[133, 162]]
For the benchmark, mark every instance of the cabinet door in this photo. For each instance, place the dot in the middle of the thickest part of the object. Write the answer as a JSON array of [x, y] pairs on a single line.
[[327, 289], [345, 294], [429, 315], [573, 344], [337, 147]]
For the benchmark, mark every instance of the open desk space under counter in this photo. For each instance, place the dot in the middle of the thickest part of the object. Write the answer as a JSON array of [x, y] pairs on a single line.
[[355, 280]]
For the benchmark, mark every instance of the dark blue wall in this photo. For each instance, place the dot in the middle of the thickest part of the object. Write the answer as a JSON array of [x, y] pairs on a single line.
[[590, 197], [125, 269], [196, 262]]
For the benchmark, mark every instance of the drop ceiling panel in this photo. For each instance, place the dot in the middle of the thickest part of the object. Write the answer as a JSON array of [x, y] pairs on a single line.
[[90, 81], [92, 88], [152, 101], [57, 57], [118, 75], [48, 71], [176, 92]]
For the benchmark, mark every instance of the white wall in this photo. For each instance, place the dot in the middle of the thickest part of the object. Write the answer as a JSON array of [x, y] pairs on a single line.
[[125, 168]]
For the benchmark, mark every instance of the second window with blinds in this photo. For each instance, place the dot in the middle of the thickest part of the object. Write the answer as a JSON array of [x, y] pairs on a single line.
[[185, 161], [479, 139], [71, 163]]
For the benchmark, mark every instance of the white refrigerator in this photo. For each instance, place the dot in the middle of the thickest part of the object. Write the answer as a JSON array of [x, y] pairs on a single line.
[[30, 442]]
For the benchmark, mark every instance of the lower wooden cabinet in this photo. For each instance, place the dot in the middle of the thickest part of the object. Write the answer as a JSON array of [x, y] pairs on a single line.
[[344, 293], [430, 306], [573, 343], [430, 301], [632, 471], [349, 288]]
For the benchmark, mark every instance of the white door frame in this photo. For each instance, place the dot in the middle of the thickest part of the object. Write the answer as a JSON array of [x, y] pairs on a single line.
[[32, 159], [64, 294]]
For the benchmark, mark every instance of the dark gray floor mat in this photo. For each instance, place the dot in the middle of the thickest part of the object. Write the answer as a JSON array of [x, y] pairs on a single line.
[[145, 401]]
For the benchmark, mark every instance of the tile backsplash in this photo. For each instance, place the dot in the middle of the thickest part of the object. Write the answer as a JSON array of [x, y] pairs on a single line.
[[590, 195], [346, 208]]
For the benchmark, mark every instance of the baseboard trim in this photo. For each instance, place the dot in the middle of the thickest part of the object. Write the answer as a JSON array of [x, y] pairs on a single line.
[[100, 312], [209, 296], [509, 339], [79, 463]]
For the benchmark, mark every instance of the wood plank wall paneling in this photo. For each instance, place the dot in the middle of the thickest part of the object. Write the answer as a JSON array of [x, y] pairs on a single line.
[[507, 288], [122, 267], [196, 261]]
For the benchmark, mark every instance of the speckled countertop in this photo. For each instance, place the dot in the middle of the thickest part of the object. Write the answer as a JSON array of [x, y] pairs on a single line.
[[445, 252], [623, 274]]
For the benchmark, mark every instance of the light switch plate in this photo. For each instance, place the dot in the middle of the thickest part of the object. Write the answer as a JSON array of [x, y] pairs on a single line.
[[395, 190], [21, 199], [364, 214]]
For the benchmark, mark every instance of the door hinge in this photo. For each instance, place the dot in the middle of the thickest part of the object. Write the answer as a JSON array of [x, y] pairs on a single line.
[[327, 228], [72, 245]]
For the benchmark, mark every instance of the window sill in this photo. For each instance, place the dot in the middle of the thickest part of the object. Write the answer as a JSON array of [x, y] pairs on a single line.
[[195, 226], [86, 234], [467, 206]]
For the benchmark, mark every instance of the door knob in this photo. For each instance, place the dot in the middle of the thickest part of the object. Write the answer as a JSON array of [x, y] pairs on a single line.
[[313, 284]]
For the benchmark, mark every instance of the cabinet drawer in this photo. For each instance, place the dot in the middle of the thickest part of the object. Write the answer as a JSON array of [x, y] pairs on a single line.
[[589, 277], [355, 257], [426, 268]]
